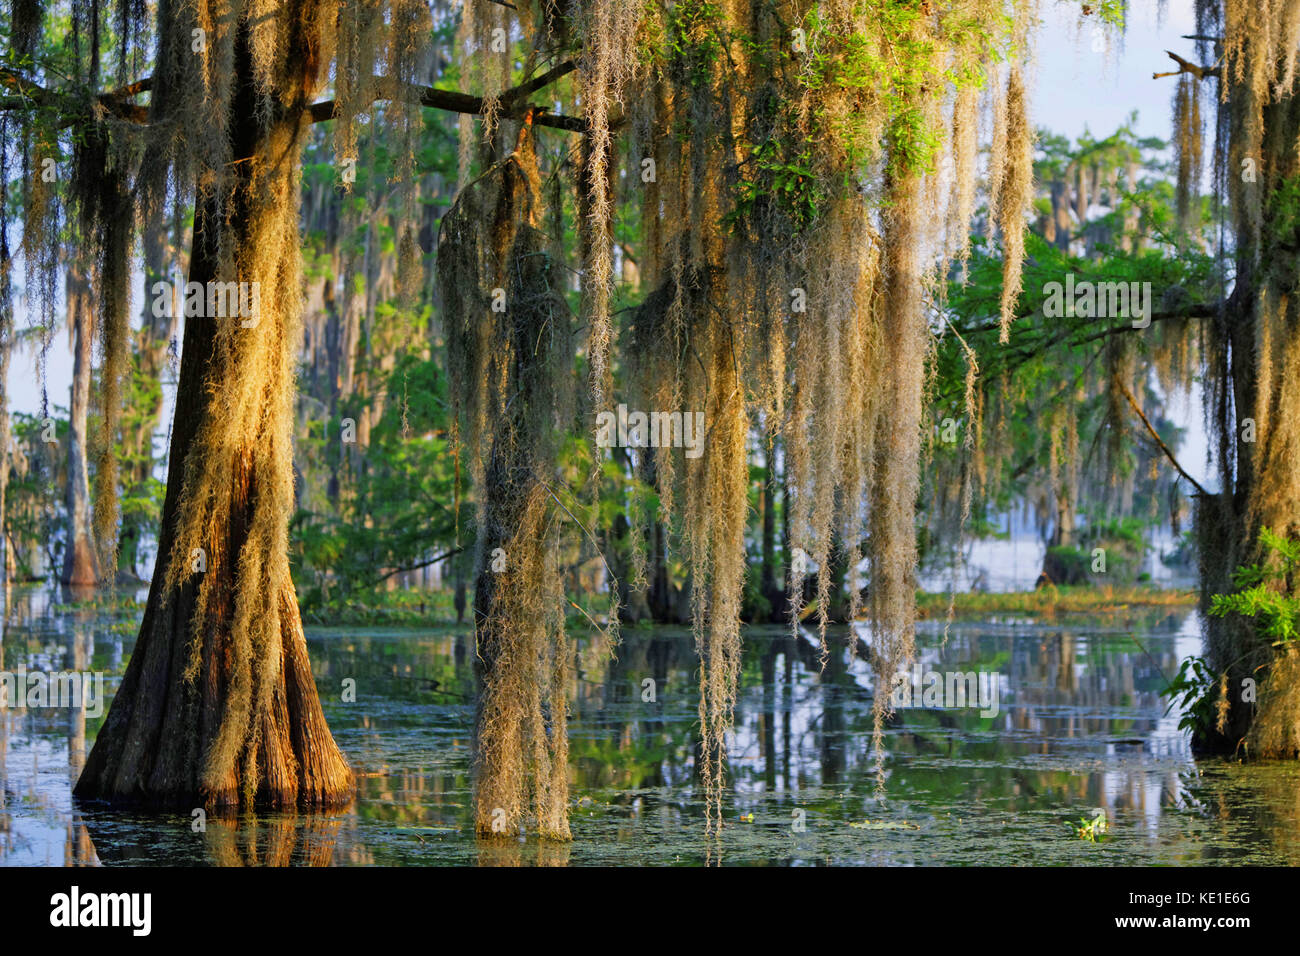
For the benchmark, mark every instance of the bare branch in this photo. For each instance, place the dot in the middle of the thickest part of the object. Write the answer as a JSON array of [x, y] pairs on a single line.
[[1187, 66], [1155, 436], [415, 567], [510, 102], [32, 95]]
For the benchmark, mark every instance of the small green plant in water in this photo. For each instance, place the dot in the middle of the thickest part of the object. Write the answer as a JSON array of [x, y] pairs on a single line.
[[1094, 830]]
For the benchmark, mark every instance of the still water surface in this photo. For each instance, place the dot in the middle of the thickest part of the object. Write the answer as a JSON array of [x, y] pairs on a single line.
[[1080, 728]]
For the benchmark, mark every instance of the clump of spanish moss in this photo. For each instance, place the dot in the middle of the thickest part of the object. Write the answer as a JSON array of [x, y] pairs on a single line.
[[609, 29], [1188, 151], [1016, 191]]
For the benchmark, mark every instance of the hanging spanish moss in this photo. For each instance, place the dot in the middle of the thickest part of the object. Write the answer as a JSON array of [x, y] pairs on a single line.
[[1016, 189], [805, 172], [42, 221], [508, 367], [485, 40], [1188, 151], [805, 303], [965, 143], [604, 68], [100, 191]]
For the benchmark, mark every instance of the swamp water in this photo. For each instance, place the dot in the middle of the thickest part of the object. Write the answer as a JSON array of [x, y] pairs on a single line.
[[1080, 727]]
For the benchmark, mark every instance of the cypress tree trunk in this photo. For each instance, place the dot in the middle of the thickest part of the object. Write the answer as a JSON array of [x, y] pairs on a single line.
[[1056, 570], [79, 564], [246, 726], [1255, 363]]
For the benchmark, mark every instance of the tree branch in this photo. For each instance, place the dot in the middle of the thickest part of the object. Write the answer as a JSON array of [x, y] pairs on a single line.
[[539, 82], [415, 567], [1024, 467], [30, 94], [1204, 310], [1155, 436], [510, 103], [1187, 66]]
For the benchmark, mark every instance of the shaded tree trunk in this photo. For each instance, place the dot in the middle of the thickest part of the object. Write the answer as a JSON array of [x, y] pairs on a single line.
[[1058, 223], [1255, 363]]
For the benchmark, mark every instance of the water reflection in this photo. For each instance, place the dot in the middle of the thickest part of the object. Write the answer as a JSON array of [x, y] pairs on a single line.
[[1079, 726]]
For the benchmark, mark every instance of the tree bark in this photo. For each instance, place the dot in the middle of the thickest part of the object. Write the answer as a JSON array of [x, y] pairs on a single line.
[[1254, 366], [80, 567]]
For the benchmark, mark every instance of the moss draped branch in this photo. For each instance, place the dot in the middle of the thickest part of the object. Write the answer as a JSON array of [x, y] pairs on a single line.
[[512, 103]]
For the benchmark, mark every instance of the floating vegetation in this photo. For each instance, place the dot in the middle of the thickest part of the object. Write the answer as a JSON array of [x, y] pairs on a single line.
[[1094, 830]]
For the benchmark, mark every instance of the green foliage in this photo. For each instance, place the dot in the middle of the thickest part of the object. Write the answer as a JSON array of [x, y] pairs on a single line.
[[1265, 595], [852, 61], [401, 514], [695, 39], [755, 605], [142, 493], [1196, 689], [1111, 12], [782, 175], [885, 72], [35, 519], [1265, 592], [1284, 213], [1071, 565]]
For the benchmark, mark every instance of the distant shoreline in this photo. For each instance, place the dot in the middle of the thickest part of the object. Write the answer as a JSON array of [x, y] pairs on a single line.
[[1051, 601]]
